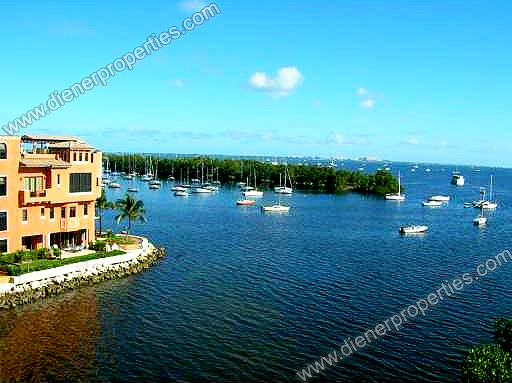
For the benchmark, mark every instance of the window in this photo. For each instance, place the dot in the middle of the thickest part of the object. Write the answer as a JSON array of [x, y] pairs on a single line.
[[74, 156], [87, 156], [63, 212], [52, 213], [72, 212], [97, 181], [3, 245], [3, 152], [3, 221], [92, 157], [34, 185], [80, 182], [42, 212], [80, 157], [3, 186], [24, 215], [58, 179], [86, 210]]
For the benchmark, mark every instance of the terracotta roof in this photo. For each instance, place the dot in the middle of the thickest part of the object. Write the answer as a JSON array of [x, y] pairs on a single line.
[[44, 163]]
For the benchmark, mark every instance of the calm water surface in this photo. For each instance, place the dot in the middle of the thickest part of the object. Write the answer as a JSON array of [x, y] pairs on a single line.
[[246, 296]]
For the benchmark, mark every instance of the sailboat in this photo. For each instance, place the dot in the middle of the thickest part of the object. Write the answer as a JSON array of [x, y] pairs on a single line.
[[488, 204], [283, 189], [397, 196], [253, 192], [278, 208]]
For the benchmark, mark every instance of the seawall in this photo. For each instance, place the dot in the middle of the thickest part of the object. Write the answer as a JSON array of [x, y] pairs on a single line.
[[30, 287]]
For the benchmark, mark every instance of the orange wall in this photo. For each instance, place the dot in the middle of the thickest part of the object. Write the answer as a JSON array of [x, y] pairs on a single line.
[[58, 196]]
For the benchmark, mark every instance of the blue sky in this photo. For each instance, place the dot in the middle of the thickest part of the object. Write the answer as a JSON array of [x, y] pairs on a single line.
[[402, 80]]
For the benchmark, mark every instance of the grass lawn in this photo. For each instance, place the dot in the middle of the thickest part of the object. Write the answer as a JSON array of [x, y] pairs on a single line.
[[7, 262]]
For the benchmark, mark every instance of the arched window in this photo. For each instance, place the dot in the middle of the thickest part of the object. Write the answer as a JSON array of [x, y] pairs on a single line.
[[3, 151], [74, 156]]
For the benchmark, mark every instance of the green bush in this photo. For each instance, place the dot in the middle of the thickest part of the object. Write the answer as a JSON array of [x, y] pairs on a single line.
[[487, 364], [98, 246], [42, 253]]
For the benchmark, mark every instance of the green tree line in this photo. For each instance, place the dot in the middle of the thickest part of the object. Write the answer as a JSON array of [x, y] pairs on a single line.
[[312, 178]]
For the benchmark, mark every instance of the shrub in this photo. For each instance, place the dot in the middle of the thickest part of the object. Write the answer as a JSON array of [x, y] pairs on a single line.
[[42, 253], [98, 246], [18, 256], [487, 364]]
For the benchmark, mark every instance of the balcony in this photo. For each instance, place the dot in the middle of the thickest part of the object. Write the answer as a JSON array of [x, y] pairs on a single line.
[[34, 197]]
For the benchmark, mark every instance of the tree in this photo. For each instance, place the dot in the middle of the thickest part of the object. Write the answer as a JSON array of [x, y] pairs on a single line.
[[131, 210], [493, 362], [503, 334], [103, 204]]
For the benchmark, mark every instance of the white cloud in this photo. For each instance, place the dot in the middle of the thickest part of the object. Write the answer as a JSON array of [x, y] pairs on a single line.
[[176, 83], [368, 103], [192, 5], [317, 103], [413, 141], [444, 144], [284, 84], [361, 92]]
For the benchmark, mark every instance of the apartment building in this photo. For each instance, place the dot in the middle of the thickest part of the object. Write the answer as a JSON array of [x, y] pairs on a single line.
[[48, 189]]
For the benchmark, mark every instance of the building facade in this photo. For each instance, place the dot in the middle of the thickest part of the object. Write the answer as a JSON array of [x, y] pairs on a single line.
[[48, 189]]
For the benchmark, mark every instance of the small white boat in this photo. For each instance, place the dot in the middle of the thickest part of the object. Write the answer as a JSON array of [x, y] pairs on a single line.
[[427, 170], [212, 188], [440, 198], [181, 193], [252, 193], [133, 190], [432, 203], [276, 208], [413, 229], [479, 221], [114, 185], [488, 205], [457, 180], [154, 186], [200, 190]]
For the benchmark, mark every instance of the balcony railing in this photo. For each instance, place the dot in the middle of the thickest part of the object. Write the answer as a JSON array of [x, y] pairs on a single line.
[[35, 196]]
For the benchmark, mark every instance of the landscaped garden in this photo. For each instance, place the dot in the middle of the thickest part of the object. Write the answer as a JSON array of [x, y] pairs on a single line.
[[28, 261]]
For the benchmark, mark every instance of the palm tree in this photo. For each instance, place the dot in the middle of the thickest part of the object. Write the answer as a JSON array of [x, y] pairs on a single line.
[[102, 204], [131, 210]]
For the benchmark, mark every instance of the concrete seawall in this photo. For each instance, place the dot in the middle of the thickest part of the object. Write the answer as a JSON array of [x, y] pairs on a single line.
[[29, 287]]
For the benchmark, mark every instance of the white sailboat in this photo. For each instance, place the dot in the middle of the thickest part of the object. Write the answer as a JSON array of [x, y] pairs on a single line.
[[278, 208], [284, 189], [253, 192], [489, 204], [397, 196]]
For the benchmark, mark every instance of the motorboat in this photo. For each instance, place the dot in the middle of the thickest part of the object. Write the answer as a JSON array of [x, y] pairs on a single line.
[[181, 193], [479, 221], [432, 203], [114, 185], [440, 198], [457, 180], [413, 229], [246, 202], [154, 186], [133, 190]]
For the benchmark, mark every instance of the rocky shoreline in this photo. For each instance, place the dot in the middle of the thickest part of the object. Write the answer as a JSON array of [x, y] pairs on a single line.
[[30, 292]]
